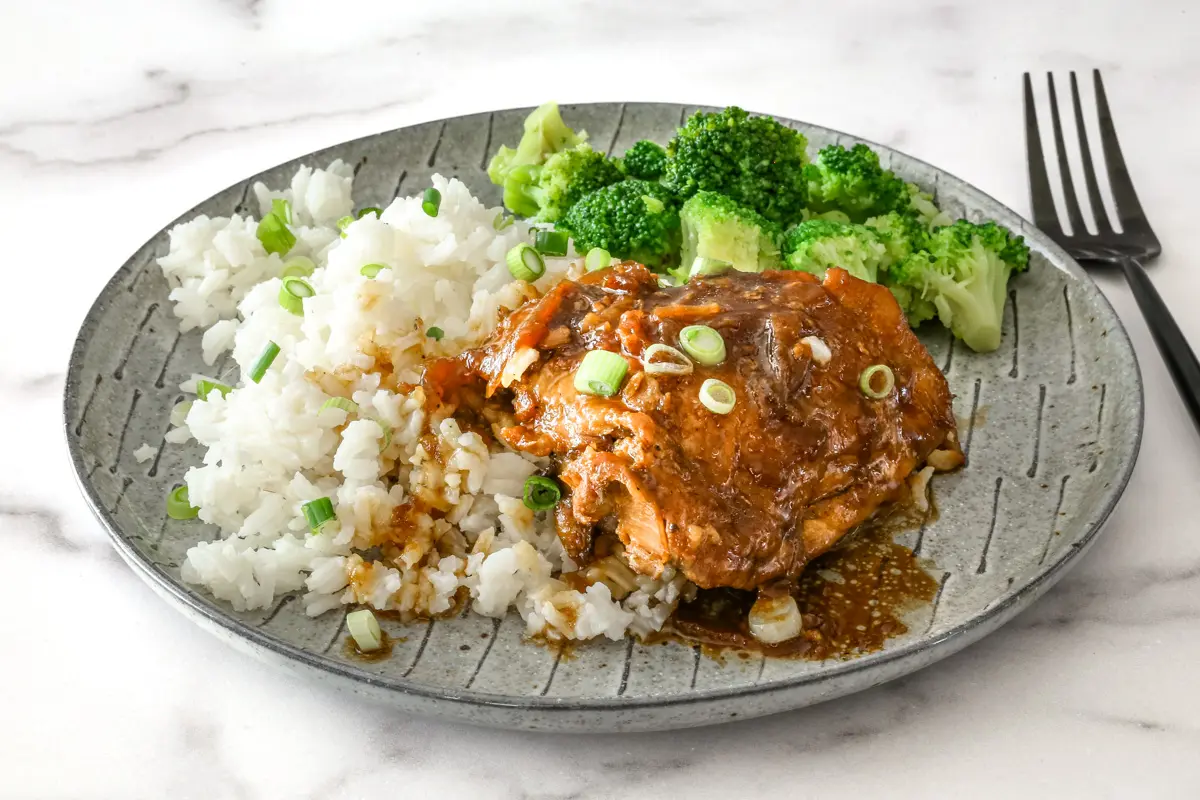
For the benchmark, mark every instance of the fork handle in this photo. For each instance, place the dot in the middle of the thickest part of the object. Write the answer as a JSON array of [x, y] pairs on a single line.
[[1175, 350]]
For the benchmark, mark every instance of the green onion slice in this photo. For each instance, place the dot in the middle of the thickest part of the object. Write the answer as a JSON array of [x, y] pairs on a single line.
[[274, 235], [525, 263], [178, 505], [345, 404], [877, 388], [597, 258], [708, 266], [551, 243], [298, 267], [601, 373], [431, 201], [205, 387], [662, 359], [703, 344], [541, 494], [376, 210], [372, 270], [344, 223], [435, 333], [717, 396], [387, 434], [502, 221], [318, 513], [292, 293], [282, 209], [264, 362], [364, 630]]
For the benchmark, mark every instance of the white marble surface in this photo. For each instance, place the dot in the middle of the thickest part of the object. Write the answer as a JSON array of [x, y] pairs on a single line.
[[113, 120]]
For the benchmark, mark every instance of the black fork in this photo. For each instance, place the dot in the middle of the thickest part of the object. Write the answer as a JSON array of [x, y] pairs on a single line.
[[1128, 249]]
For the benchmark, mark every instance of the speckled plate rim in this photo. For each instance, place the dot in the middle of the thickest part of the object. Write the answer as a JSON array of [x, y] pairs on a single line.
[[939, 646]]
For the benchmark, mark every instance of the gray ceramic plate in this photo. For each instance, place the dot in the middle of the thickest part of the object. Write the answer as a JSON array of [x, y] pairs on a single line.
[[1051, 422]]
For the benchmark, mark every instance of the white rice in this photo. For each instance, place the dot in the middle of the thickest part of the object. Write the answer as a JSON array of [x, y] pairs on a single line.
[[271, 447]]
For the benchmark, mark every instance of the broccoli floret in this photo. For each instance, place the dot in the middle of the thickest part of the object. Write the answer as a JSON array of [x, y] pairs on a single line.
[[646, 160], [545, 134], [921, 204], [549, 190], [756, 161], [903, 232], [632, 219], [916, 308], [852, 181], [819, 244], [965, 275], [716, 227]]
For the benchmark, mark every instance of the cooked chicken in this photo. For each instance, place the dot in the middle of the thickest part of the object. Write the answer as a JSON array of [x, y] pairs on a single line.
[[743, 499]]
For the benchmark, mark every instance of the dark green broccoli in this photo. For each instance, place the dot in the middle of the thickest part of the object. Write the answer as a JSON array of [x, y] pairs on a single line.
[[545, 134], [852, 181], [716, 228], [818, 244], [965, 276], [546, 192], [903, 232], [756, 161], [632, 219], [646, 160]]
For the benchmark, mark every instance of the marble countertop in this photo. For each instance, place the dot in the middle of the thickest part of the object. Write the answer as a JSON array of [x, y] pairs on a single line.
[[112, 122]]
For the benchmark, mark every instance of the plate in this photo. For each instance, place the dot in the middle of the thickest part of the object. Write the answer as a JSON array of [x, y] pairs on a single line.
[[1051, 423]]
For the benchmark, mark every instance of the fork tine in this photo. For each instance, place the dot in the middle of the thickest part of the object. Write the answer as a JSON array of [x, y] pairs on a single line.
[[1040, 195], [1128, 208], [1074, 215], [1089, 171]]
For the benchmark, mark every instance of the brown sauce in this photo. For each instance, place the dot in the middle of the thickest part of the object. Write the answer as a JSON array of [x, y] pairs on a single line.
[[853, 599], [350, 649]]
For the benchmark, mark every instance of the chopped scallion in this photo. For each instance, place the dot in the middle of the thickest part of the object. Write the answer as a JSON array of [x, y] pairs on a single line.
[[344, 223], [298, 267], [387, 434], [431, 201], [378, 212], [292, 293], [877, 389], [364, 630], [205, 387], [717, 396], [541, 494], [372, 270], [502, 221], [317, 513], [601, 373], [345, 404], [179, 506], [662, 359], [435, 333], [264, 362], [597, 258], [282, 209], [525, 263], [703, 344], [274, 234], [551, 243]]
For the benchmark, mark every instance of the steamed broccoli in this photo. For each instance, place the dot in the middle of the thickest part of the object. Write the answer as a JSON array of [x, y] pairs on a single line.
[[819, 244], [915, 307], [903, 232], [715, 227], [545, 134], [549, 190], [852, 181], [632, 219], [965, 276], [646, 160], [756, 161], [921, 204]]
